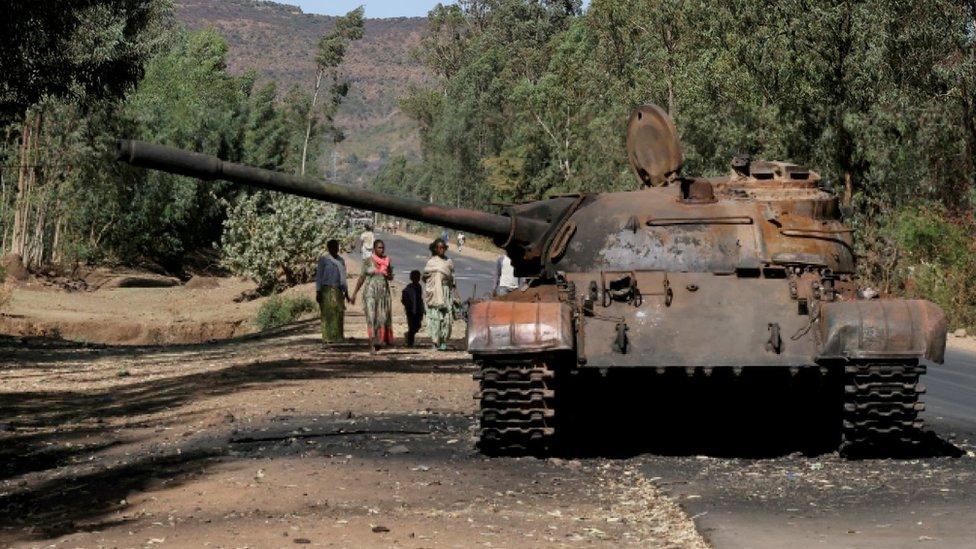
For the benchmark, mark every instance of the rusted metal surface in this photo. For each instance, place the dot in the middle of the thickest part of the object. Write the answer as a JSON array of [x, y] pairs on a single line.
[[730, 233], [710, 320], [653, 148], [506, 327], [882, 328]]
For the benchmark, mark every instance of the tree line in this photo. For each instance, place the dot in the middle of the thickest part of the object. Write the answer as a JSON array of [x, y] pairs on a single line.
[[531, 98], [78, 77]]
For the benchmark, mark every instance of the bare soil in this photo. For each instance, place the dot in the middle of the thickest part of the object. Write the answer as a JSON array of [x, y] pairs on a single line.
[[125, 308], [274, 439]]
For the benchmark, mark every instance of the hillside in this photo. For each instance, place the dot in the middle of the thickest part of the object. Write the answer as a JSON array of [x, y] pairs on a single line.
[[278, 41]]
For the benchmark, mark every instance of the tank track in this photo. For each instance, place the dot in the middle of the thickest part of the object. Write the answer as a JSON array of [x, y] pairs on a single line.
[[518, 405], [881, 407]]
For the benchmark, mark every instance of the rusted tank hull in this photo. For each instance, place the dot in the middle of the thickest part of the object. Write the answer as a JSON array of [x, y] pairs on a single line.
[[704, 320], [511, 327], [882, 329]]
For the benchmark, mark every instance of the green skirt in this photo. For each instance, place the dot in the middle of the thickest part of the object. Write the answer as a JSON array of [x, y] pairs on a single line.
[[332, 309]]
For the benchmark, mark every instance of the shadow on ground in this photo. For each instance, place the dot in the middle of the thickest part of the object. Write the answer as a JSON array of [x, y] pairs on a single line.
[[52, 435], [763, 415]]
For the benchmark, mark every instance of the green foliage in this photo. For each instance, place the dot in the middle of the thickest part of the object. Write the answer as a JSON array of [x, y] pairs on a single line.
[[86, 51], [276, 239], [533, 97], [186, 99], [328, 58], [278, 311], [922, 251], [97, 210]]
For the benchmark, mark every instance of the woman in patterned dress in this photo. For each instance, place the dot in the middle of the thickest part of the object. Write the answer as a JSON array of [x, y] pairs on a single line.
[[376, 276], [439, 295]]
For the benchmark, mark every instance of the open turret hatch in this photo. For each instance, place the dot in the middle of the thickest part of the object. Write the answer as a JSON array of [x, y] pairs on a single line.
[[653, 147]]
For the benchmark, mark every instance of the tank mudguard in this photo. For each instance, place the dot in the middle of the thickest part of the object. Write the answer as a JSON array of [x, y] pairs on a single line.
[[508, 327], [882, 328]]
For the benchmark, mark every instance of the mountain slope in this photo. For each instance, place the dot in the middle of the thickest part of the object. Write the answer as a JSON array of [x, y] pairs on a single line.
[[278, 42]]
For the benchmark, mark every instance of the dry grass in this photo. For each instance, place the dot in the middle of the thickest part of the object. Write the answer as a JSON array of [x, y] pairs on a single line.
[[6, 293]]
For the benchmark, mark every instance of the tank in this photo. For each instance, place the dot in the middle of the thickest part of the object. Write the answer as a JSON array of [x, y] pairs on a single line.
[[688, 276]]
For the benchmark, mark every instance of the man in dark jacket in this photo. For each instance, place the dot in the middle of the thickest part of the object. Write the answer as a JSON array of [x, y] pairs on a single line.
[[412, 298]]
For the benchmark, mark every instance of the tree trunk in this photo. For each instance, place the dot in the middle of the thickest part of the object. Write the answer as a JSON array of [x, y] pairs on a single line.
[[3, 211], [669, 63], [848, 190], [56, 256], [18, 239], [311, 119]]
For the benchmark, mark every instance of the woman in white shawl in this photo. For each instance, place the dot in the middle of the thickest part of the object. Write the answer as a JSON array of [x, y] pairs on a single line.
[[439, 295]]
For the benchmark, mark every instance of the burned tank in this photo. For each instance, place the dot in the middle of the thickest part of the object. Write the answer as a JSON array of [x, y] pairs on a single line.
[[753, 271]]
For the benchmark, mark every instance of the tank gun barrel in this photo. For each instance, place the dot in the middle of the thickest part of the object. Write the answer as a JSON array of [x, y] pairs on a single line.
[[504, 229]]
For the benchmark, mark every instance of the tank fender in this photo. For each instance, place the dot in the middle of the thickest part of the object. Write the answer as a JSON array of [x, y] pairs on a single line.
[[508, 327], [882, 328]]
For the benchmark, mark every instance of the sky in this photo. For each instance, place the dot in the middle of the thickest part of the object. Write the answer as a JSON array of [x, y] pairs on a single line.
[[374, 8]]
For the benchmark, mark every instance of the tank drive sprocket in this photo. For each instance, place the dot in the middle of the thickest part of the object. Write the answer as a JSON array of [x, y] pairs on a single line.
[[881, 407], [518, 409]]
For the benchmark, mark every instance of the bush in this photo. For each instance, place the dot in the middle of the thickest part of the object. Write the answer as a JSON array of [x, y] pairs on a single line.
[[923, 252], [277, 240], [278, 311]]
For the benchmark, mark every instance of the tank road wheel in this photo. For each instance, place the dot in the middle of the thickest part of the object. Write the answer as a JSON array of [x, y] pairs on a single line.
[[881, 408], [518, 405]]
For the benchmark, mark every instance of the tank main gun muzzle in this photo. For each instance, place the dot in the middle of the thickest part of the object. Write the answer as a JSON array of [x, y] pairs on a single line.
[[507, 231]]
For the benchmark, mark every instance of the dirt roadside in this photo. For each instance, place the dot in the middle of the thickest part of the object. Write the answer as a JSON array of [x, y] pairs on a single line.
[[202, 310], [274, 440]]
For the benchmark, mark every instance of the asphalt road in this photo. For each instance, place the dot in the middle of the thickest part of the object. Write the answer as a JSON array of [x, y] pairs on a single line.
[[814, 501], [472, 274], [825, 501]]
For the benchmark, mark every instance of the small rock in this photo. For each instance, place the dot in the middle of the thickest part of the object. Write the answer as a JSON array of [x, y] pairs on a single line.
[[380, 529], [961, 332], [398, 449], [816, 466]]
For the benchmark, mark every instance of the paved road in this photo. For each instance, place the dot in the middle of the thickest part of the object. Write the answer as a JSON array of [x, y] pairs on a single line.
[[824, 501], [472, 274]]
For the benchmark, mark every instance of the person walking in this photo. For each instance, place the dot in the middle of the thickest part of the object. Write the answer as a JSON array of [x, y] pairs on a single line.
[[376, 275], [439, 295], [460, 241], [331, 292], [412, 298], [366, 240], [445, 236], [505, 279]]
